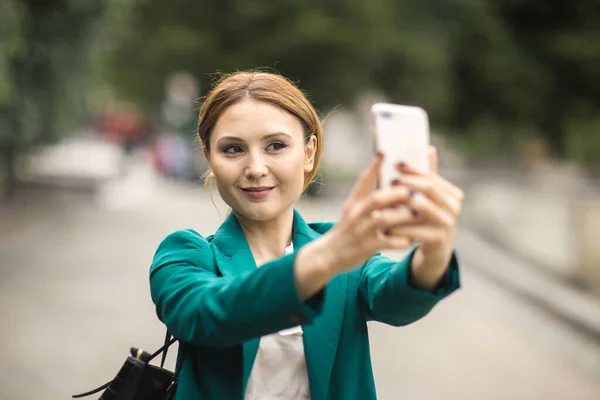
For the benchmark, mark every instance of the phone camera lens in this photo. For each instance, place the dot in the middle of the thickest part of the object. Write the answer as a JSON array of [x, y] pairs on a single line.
[[386, 114]]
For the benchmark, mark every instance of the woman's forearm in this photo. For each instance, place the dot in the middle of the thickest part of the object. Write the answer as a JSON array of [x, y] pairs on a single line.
[[313, 267]]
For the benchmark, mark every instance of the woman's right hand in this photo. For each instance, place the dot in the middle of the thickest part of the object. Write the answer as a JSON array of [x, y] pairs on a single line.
[[367, 216], [361, 232]]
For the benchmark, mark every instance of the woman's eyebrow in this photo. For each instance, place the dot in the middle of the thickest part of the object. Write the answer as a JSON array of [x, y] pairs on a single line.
[[230, 138], [275, 134], [266, 137]]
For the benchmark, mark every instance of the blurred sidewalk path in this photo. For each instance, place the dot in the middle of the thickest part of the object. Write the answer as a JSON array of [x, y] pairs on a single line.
[[545, 289], [68, 170], [577, 307]]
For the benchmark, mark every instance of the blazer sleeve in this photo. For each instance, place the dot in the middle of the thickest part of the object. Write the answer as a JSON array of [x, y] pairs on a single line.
[[388, 296], [202, 308]]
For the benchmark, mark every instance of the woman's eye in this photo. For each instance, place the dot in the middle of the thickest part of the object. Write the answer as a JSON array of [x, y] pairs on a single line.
[[276, 146], [232, 149]]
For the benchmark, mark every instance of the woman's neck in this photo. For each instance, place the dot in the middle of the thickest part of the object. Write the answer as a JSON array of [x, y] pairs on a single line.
[[268, 239]]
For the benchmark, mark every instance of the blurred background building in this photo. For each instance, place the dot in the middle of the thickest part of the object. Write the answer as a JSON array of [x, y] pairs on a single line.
[[98, 109]]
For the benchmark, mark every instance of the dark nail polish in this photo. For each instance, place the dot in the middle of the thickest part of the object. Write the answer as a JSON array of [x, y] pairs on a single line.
[[401, 164], [396, 182], [412, 193], [379, 154], [414, 213]]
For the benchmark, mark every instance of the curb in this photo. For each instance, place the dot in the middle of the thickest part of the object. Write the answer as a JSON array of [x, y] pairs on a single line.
[[573, 306]]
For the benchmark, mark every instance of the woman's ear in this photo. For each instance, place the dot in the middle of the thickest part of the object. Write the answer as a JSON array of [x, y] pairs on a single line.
[[310, 150], [211, 174]]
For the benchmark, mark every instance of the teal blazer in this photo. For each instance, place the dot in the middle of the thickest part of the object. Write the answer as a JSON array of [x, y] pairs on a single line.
[[213, 298]]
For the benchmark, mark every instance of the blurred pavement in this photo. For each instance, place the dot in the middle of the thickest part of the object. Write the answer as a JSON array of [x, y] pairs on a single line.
[[74, 297]]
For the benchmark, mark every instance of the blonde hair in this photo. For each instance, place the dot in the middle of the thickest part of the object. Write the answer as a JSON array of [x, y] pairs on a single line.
[[261, 86]]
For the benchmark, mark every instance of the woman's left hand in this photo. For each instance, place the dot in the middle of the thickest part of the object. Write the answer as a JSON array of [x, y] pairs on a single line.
[[435, 204]]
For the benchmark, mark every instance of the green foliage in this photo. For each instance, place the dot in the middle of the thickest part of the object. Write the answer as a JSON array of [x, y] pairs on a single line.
[[43, 58], [42, 53], [506, 67], [327, 46]]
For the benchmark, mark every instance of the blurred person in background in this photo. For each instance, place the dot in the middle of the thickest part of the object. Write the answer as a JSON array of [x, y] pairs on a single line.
[[172, 156], [173, 152], [273, 307], [125, 126]]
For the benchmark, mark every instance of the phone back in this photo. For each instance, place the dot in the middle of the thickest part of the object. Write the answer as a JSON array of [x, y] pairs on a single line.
[[402, 134]]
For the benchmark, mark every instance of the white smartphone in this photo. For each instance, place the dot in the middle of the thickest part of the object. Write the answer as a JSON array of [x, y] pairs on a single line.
[[401, 133]]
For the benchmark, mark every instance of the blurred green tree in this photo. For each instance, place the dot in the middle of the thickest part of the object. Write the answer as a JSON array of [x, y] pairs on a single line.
[[328, 46], [563, 40], [43, 57], [495, 73], [528, 69]]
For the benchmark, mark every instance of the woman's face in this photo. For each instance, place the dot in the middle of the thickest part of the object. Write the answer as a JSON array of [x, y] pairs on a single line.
[[258, 158]]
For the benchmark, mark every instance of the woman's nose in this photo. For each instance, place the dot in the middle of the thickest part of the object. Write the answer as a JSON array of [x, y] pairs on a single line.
[[256, 167]]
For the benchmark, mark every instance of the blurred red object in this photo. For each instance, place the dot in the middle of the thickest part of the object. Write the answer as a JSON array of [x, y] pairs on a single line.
[[123, 126]]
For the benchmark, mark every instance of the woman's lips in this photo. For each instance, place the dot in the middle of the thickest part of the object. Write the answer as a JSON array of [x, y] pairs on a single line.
[[258, 192]]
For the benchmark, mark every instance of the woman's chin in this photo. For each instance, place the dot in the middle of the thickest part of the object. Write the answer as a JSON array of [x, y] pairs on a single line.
[[256, 211], [264, 211]]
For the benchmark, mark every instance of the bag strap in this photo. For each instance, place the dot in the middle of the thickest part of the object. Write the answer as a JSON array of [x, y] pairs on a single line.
[[164, 349]]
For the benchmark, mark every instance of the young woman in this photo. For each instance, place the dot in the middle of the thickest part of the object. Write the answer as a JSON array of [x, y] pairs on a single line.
[[273, 307]]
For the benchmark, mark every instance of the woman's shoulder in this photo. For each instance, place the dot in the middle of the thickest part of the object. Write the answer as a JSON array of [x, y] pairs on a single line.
[[184, 238], [183, 252], [182, 244]]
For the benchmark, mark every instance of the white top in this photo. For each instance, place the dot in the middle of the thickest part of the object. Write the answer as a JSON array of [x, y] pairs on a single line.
[[279, 370]]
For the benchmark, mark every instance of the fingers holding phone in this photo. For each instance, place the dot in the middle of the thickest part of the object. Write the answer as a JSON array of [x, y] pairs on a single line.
[[437, 202], [412, 202], [401, 133], [432, 153]]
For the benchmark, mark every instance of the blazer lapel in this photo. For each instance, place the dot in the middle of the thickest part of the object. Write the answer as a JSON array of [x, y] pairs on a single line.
[[236, 259], [231, 242], [321, 338]]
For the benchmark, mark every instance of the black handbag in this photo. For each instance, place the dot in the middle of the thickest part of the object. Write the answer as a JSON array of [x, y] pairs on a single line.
[[138, 380]]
